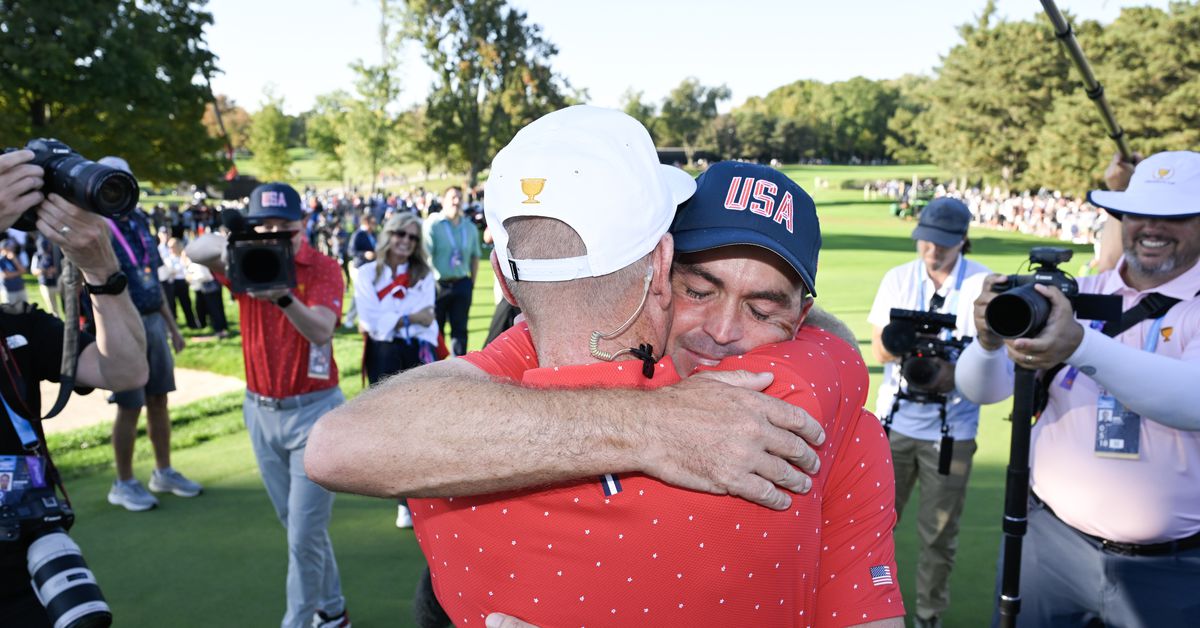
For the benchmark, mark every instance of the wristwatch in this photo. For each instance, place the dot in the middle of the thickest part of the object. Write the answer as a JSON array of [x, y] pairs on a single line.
[[284, 301], [115, 284]]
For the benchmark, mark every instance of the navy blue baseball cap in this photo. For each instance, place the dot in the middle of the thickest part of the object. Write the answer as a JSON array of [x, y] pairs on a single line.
[[275, 200], [739, 203], [944, 222]]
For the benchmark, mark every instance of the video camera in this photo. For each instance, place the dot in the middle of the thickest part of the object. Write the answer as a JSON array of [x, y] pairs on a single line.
[[97, 188], [30, 509], [915, 337], [1018, 311], [257, 260]]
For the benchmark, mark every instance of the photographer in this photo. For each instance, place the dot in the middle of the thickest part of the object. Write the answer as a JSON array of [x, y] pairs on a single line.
[[941, 280], [114, 359], [1114, 516], [291, 380]]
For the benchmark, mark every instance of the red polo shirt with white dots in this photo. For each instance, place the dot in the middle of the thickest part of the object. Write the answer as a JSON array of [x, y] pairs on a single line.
[[275, 352], [628, 549]]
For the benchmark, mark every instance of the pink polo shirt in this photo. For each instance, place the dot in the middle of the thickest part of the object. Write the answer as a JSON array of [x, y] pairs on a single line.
[[1153, 498]]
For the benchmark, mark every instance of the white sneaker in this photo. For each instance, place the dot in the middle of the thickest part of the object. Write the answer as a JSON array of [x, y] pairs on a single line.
[[170, 480], [321, 620], [131, 495], [403, 517]]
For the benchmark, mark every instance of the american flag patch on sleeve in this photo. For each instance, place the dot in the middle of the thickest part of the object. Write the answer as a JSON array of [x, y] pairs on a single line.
[[881, 575]]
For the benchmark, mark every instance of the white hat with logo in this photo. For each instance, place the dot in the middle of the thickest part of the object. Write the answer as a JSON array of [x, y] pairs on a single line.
[[1164, 185], [594, 169]]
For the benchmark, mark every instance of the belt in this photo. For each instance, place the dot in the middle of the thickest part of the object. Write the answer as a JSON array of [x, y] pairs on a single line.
[[1165, 548], [286, 403]]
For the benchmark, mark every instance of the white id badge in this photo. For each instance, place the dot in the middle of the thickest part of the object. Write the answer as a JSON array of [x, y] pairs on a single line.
[[320, 359], [1118, 429]]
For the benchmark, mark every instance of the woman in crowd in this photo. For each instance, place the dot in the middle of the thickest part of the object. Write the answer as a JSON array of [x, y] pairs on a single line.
[[395, 293]]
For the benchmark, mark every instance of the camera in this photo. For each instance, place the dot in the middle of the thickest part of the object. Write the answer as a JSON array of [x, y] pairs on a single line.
[[914, 336], [30, 509], [97, 188], [257, 261], [1018, 311]]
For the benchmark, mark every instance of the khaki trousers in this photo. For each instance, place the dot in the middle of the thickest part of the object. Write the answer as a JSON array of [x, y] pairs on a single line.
[[941, 505]]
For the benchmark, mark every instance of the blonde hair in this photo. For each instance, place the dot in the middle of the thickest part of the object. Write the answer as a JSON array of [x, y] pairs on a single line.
[[418, 267]]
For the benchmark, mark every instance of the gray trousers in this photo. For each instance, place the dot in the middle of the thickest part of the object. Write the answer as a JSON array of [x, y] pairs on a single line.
[[1068, 581], [279, 437], [941, 506]]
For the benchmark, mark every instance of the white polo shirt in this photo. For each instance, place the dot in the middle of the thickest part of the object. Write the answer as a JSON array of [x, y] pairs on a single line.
[[901, 288]]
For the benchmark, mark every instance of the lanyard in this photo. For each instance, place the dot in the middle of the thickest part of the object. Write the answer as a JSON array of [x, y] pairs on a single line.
[[29, 438], [958, 282], [1151, 344], [459, 245], [145, 261]]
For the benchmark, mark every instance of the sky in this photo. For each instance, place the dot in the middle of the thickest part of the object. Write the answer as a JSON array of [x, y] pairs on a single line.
[[303, 49]]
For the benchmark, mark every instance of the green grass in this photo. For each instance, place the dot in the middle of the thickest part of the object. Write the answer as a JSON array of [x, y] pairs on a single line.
[[225, 552]]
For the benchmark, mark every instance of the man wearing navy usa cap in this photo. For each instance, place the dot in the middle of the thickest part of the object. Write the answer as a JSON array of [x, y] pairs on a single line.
[[925, 418], [291, 380], [1114, 516]]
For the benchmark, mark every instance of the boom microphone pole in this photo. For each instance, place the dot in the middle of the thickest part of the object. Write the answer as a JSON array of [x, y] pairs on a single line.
[[1092, 87]]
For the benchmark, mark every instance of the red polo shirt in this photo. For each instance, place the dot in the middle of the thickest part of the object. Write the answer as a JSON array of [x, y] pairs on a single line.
[[275, 353], [637, 551]]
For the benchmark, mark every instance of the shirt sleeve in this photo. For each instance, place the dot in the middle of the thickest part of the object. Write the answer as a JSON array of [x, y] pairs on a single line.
[[326, 287], [46, 344], [885, 299], [509, 355], [858, 554], [475, 248]]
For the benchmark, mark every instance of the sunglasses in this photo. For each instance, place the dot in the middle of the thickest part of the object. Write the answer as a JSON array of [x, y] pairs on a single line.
[[404, 235]]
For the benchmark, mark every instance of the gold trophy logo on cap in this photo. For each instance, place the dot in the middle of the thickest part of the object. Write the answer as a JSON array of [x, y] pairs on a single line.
[[531, 188]]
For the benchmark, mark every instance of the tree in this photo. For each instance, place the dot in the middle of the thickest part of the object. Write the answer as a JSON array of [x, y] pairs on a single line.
[[687, 111], [492, 76], [324, 132], [368, 127], [903, 143], [233, 116], [112, 77], [638, 109], [269, 130]]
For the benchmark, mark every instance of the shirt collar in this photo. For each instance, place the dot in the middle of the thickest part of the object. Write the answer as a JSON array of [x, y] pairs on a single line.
[[619, 374], [948, 284], [1183, 287]]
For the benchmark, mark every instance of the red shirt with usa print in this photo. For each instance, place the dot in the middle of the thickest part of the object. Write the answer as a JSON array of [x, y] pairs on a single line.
[[631, 550], [275, 352]]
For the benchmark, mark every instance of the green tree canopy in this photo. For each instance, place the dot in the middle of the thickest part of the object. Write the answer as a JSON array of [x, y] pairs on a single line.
[[269, 129], [686, 113], [122, 77]]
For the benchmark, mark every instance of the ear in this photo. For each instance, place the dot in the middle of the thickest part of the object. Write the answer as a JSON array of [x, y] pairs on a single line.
[[660, 262], [804, 310], [508, 296]]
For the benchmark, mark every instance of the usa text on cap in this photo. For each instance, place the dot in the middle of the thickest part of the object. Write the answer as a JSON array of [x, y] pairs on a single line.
[[739, 203], [275, 200]]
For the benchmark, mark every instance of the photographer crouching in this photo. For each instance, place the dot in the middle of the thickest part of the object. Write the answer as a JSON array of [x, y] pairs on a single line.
[[1113, 532], [289, 299], [922, 317], [115, 359]]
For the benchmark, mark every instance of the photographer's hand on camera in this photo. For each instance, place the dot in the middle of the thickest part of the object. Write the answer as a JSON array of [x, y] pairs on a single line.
[[1120, 171], [20, 185], [82, 235], [1056, 343]]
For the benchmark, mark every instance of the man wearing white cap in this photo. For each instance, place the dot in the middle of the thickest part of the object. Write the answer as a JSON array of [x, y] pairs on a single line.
[[1114, 519]]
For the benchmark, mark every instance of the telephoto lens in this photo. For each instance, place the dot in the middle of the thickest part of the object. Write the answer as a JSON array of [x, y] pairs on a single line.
[[64, 584], [1018, 313]]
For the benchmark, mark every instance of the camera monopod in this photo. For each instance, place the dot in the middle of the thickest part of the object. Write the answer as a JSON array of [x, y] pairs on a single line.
[[1092, 87], [1016, 495]]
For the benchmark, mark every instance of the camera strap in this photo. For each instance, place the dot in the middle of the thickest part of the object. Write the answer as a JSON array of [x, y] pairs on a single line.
[[1154, 305]]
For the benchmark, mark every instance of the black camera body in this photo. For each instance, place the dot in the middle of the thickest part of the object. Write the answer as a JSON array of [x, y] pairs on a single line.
[[31, 510], [97, 188], [915, 337], [257, 261], [1019, 311]]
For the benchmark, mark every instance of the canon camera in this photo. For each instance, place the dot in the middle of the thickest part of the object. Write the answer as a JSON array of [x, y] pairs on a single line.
[[94, 187], [916, 338], [1019, 311]]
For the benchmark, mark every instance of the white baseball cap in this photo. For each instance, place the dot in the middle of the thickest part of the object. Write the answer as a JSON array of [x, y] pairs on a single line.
[[1164, 185], [594, 169]]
